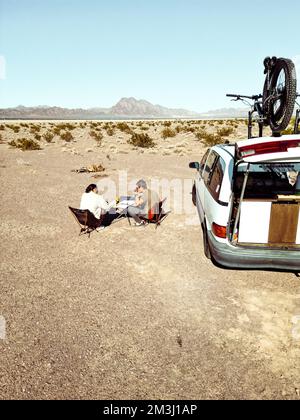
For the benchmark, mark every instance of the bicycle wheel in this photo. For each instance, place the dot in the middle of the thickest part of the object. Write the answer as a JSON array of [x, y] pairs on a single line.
[[280, 95]]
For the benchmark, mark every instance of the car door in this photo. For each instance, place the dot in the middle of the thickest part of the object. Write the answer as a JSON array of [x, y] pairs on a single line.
[[207, 174], [200, 187], [215, 210]]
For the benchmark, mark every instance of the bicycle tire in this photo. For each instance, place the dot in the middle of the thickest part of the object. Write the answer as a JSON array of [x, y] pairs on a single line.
[[279, 118], [269, 65]]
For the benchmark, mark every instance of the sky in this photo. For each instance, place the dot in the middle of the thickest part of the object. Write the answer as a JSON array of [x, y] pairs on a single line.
[[176, 53]]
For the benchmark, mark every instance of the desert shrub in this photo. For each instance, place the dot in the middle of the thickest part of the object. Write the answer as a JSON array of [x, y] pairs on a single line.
[[225, 131], [48, 136], [107, 125], [124, 127], [37, 137], [141, 140], [290, 129], [25, 144], [15, 128], [145, 128], [97, 136], [96, 168], [178, 129], [168, 132], [110, 131], [1, 139], [35, 128], [209, 139], [188, 129], [66, 126], [62, 127], [56, 130], [66, 136], [167, 123]]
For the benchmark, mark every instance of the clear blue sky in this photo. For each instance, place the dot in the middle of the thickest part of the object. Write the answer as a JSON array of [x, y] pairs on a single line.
[[177, 53]]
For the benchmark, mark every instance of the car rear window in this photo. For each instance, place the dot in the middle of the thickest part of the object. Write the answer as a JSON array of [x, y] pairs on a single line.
[[267, 180]]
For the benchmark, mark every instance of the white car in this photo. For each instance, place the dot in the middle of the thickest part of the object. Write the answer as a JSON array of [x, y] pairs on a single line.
[[248, 199]]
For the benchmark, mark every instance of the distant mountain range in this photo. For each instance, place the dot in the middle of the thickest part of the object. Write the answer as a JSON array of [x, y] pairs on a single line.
[[126, 108]]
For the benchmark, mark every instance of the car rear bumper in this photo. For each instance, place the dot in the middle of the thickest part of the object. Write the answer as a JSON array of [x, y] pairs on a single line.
[[240, 257]]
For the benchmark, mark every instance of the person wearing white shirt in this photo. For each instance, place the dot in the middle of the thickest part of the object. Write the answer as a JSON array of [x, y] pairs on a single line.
[[94, 202]]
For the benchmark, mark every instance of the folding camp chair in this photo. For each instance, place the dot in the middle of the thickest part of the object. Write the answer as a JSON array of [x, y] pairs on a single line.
[[86, 220], [156, 215]]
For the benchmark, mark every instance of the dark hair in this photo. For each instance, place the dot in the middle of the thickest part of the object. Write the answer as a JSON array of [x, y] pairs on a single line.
[[90, 188]]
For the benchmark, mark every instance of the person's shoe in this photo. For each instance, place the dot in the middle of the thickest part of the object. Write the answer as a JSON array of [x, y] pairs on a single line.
[[142, 223], [99, 229]]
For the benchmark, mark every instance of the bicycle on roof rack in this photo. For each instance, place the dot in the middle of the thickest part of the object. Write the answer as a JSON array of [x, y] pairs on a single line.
[[275, 106], [297, 119]]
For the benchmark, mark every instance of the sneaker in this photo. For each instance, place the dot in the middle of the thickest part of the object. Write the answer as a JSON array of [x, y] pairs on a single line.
[[139, 224], [99, 229]]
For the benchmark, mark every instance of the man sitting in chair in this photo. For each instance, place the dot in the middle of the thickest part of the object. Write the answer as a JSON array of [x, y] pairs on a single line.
[[94, 202], [146, 199]]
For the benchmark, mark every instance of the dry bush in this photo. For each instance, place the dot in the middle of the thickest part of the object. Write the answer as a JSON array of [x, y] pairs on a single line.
[[63, 127], [66, 126], [16, 129], [291, 127], [225, 131], [167, 123], [25, 144], [141, 140], [124, 127], [56, 130], [35, 128], [48, 136], [2, 127], [168, 133], [110, 131], [97, 136], [37, 137], [66, 136], [1, 139], [209, 139], [188, 129], [96, 168]]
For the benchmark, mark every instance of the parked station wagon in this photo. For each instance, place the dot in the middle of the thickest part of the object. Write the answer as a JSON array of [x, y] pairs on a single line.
[[248, 198]]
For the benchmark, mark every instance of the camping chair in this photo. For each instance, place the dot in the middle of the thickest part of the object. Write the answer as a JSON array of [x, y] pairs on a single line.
[[154, 216], [86, 220]]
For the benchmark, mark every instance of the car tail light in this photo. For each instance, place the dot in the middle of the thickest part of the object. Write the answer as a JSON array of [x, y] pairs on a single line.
[[278, 146], [219, 231]]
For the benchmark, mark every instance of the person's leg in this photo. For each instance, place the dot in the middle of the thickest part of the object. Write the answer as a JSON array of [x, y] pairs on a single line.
[[135, 212], [109, 218]]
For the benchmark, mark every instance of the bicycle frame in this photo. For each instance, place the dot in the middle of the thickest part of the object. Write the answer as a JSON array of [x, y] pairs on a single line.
[[258, 109], [255, 108]]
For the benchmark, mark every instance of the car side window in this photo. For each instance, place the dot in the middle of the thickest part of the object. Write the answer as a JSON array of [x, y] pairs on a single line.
[[216, 178], [203, 161], [206, 174]]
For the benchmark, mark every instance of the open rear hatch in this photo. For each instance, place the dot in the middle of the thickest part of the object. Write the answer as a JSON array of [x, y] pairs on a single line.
[[266, 205]]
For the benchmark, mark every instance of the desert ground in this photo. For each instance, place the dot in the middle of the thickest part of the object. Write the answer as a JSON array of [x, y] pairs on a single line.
[[129, 313]]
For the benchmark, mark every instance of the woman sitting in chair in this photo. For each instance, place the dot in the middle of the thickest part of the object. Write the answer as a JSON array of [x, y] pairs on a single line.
[[94, 202]]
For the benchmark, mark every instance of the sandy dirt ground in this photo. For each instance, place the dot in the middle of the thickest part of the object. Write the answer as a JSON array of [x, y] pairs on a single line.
[[129, 313]]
